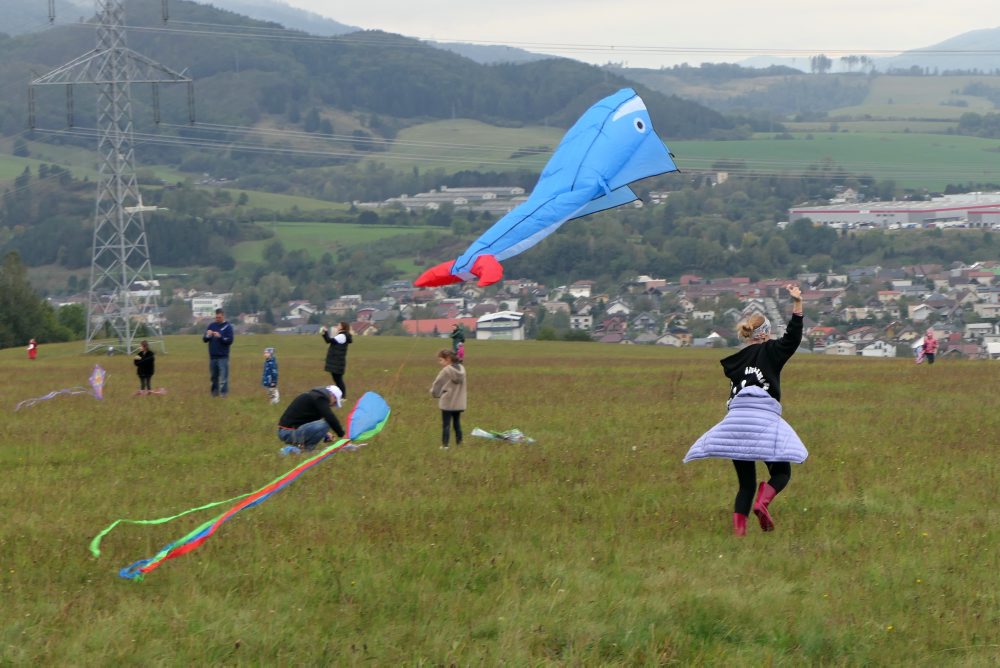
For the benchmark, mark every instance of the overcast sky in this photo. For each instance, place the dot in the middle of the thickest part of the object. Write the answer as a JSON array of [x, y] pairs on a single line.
[[651, 33]]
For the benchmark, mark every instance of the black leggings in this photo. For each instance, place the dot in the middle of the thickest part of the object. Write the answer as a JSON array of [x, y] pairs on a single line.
[[447, 418], [144, 382], [338, 380], [746, 472]]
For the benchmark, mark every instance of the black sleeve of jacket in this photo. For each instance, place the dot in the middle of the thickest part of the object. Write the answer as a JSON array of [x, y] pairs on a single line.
[[790, 340], [324, 409]]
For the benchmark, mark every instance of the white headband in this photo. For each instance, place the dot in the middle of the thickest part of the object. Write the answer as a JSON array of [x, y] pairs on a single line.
[[763, 330]]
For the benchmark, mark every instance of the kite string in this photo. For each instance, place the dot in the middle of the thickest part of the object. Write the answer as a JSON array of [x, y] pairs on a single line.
[[402, 364]]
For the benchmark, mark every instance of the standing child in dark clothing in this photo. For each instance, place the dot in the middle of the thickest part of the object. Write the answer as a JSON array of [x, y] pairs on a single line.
[[270, 377], [336, 354], [449, 390], [753, 429], [145, 367]]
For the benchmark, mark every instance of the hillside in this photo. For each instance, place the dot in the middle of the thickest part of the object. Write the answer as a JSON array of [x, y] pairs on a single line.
[[788, 94], [246, 75]]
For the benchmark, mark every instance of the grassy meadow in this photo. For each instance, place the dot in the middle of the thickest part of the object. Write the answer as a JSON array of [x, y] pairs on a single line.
[[319, 238], [912, 160], [462, 144], [593, 546]]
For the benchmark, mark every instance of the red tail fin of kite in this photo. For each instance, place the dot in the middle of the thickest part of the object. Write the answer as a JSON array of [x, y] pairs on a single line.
[[487, 269], [437, 275]]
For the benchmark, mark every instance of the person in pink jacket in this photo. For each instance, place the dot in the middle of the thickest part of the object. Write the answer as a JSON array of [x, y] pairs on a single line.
[[930, 346]]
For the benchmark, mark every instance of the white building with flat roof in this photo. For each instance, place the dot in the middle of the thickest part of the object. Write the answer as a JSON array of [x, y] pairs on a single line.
[[967, 210]]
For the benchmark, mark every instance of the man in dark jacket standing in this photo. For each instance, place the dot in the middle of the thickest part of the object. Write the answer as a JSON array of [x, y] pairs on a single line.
[[219, 336], [309, 419]]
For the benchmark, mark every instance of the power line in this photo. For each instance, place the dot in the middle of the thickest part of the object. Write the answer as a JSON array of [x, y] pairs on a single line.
[[554, 48]]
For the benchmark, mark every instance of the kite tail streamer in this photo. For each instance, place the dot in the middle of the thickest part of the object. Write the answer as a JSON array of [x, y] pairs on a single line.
[[31, 402], [97, 379], [367, 419]]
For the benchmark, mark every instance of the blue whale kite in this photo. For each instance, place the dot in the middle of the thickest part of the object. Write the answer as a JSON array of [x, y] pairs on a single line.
[[610, 146]]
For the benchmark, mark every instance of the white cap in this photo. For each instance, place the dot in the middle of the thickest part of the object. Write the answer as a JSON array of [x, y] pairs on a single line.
[[335, 392]]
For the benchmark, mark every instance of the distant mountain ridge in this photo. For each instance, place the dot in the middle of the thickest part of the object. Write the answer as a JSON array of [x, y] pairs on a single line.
[[25, 16], [286, 15], [955, 53]]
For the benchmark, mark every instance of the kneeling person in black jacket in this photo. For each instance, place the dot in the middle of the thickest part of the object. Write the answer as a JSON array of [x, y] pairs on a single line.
[[309, 419]]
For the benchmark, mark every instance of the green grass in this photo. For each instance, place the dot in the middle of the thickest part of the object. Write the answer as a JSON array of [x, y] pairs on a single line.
[[922, 97], [285, 203], [319, 238], [876, 126], [463, 144], [593, 546], [12, 166], [912, 160]]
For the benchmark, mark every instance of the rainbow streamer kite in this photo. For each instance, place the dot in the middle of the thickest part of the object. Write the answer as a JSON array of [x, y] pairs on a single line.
[[366, 420], [97, 378]]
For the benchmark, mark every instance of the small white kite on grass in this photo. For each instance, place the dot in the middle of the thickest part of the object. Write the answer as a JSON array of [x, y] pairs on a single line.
[[511, 435]]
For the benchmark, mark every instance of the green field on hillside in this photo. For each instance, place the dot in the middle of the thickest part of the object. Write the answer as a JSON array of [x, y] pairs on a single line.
[[593, 546], [285, 203], [912, 160], [874, 126], [922, 97], [319, 238], [463, 144]]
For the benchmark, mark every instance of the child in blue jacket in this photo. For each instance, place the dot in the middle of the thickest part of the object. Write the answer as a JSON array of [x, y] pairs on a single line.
[[270, 378]]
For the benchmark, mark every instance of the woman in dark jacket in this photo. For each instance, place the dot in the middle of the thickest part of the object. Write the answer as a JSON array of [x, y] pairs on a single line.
[[336, 354], [145, 362]]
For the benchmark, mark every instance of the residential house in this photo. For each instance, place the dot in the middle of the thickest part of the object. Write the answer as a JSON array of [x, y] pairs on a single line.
[[852, 313], [965, 351], [506, 325], [919, 312], [618, 307], [836, 279], [615, 323], [555, 307], [669, 339], [437, 326], [364, 328], [879, 349], [581, 288], [865, 334], [644, 322], [581, 322], [988, 311], [204, 305], [841, 348], [974, 331], [886, 296]]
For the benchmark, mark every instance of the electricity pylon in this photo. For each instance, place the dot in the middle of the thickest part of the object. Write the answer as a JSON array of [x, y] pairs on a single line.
[[122, 295]]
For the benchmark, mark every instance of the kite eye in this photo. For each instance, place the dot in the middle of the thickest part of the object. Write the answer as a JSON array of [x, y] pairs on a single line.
[[640, 127]]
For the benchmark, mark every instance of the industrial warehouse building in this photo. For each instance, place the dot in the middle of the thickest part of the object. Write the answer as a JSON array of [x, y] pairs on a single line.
[[979, 210]]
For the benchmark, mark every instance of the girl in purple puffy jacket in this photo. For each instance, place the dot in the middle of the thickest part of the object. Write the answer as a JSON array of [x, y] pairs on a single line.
[[759, 365]]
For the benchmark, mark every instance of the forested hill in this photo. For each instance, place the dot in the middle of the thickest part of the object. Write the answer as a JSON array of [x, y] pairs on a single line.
[[246, 70]]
